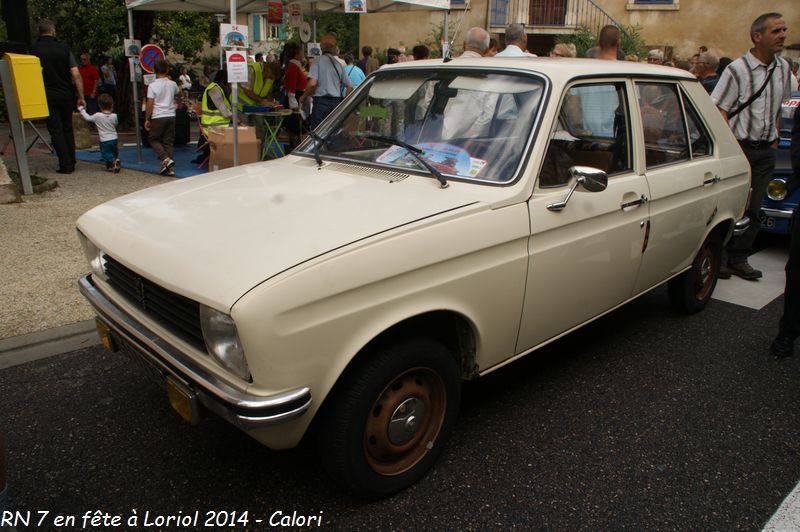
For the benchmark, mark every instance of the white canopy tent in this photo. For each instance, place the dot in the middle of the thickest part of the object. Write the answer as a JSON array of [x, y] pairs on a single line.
[[260, 6]]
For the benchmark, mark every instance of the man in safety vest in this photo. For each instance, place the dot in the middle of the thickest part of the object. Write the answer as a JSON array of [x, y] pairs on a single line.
[[258, 87]]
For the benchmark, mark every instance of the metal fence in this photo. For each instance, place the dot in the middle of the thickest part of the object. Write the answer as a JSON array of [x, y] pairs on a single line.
[[570, 14]]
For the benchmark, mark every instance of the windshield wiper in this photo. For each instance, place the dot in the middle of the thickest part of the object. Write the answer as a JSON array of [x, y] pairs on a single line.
[[413, 150], [320, 141]]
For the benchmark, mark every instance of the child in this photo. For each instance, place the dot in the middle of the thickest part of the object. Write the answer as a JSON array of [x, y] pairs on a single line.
[[106, 122]]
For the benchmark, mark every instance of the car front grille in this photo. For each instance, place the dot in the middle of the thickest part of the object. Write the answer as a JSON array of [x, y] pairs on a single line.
[[179, 314]]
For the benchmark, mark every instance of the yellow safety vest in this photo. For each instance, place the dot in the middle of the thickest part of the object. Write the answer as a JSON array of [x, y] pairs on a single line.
[[261, 86], [213, 117]]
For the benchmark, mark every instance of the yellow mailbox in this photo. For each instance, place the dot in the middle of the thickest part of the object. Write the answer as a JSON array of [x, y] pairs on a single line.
[[26, 73]]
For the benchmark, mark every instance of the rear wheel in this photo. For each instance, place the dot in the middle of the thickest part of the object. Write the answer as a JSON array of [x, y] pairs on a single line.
[[390, 418], [690, 291]]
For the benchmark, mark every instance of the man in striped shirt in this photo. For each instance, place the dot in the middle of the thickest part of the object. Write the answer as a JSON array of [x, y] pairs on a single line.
[[755, 125]]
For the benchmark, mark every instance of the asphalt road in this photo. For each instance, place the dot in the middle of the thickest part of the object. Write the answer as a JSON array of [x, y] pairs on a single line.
[[644, 419]]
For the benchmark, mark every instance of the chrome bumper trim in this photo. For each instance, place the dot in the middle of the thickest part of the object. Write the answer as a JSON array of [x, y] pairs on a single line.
[[741, 226], [777, 213], [240, 408]]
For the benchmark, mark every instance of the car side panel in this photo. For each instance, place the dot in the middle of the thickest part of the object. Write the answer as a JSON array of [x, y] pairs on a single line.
[[473, 264]]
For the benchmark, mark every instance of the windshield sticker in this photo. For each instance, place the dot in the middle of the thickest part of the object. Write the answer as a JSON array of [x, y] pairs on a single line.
[[446, 158]]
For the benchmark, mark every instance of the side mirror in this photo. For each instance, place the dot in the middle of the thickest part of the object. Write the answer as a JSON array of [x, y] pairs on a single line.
[[587, 179]]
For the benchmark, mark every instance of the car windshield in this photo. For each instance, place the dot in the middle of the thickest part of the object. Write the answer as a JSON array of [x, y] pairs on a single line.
[[466, 124], [787, 115]]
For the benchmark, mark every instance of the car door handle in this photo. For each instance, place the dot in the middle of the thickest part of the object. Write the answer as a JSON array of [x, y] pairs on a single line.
[[711, 180], [641, 201]]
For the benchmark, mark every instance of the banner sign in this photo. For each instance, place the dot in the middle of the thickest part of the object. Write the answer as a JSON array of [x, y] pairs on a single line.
[[355, 6], [295, 14], [275, 12], [233, 35]]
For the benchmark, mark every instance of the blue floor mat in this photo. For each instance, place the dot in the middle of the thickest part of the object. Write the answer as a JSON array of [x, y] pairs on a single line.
[[182, 155]]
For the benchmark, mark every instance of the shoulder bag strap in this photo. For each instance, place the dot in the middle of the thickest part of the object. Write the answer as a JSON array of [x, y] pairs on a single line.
[[756, 94], [336, 68]]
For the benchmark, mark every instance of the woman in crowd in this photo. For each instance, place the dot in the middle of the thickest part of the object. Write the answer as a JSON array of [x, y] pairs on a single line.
[[295, 79]]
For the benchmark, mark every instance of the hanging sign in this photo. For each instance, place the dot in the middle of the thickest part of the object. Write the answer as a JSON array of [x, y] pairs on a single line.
[[314, 50], [136, 69], [295, 14], [233, 35], [355, 6], [132, 47], [237, 66], [150, 54], [305, 32], [275, 12]]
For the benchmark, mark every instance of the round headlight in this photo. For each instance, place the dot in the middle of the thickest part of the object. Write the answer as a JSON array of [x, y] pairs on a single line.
[[776, 189], [222, 341]]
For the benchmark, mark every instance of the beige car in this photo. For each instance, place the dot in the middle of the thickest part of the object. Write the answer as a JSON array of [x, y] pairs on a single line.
[[445, 220]]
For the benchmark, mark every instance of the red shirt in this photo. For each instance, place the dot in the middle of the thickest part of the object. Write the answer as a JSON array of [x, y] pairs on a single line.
[[295, 78], [90, 75]]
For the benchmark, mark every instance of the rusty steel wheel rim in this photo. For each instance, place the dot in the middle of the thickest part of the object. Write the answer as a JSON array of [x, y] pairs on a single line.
[[705, 272], [404, 421]]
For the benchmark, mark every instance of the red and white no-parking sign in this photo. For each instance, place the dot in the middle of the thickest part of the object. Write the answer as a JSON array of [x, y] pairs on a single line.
[[149, 55]]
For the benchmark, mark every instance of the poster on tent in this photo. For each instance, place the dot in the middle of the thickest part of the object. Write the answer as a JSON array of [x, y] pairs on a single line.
[[295, 14], [237, 66], [275, 12], [355, 6], [233, 35], [314, 49]]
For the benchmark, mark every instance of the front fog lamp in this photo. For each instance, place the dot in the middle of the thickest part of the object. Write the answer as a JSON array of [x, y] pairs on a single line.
[[95, 257], [222, 341], [776, 189]]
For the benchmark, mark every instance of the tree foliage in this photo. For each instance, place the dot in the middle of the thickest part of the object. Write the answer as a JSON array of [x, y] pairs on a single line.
[[343, 26], [100, 26], [631, 40]]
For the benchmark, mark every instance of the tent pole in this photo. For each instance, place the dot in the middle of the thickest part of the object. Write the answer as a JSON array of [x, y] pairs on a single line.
[[136, 107], [235, 102]]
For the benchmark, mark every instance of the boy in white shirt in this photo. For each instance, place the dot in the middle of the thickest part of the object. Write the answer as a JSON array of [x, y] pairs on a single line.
[[106, 122], [159, 116]]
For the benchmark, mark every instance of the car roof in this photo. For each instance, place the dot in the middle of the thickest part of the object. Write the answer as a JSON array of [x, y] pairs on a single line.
[[556, 68]]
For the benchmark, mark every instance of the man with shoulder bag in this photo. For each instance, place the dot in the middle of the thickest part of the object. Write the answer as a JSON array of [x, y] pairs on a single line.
[[749, 96], [326, 79]]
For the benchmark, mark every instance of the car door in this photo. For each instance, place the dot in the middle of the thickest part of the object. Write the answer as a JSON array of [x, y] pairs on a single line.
[[584, 258], [682, 172]]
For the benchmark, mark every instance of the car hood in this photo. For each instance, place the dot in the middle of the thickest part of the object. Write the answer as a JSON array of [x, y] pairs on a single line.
[[214, 237]]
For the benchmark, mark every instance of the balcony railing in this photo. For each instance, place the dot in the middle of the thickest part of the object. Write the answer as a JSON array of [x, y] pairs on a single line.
[[567, 14]]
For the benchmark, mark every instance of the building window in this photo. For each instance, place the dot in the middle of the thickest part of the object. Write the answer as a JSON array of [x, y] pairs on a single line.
[[274, 31], [655, 5], [499, 13]]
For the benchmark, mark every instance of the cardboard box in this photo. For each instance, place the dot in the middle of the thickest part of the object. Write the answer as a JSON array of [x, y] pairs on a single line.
[[220, 140]]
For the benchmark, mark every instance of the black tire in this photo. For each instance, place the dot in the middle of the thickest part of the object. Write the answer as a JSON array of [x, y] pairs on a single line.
[[369, 439], [690, 292]]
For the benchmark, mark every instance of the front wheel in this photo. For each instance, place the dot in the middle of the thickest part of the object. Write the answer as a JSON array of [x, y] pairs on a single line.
[[690, 292], [390, 418]]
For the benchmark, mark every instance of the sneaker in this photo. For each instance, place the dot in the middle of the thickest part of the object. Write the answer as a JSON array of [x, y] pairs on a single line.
[[170, 173], [117, 166], [744, 270], [169, 162], [163, 170]]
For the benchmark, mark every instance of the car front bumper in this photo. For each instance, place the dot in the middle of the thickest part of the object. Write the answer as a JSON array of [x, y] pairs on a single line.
[[169, 364]]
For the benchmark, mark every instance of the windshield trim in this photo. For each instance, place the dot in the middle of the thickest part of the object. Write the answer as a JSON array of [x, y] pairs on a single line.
[[304, 149]]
